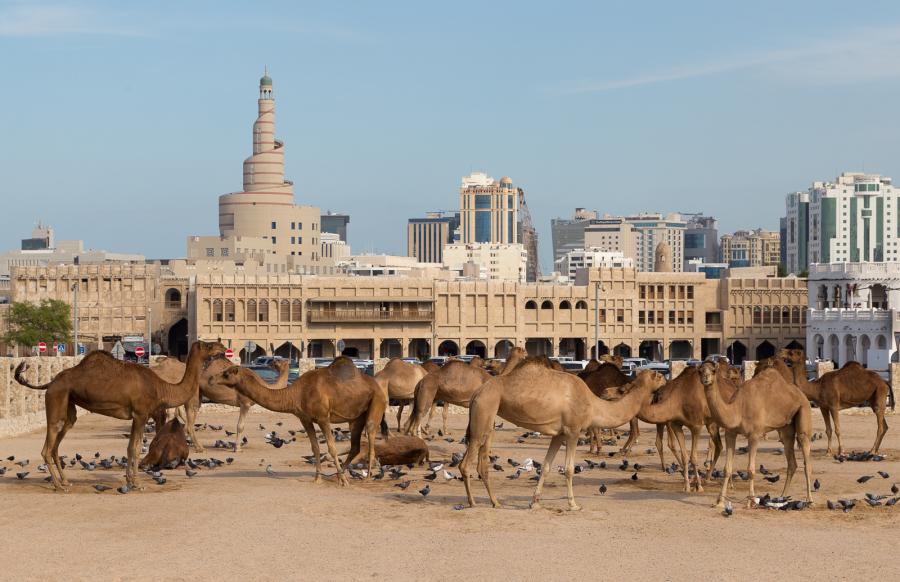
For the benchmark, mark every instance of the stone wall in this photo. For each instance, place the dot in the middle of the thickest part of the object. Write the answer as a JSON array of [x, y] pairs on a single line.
[[21, 408]]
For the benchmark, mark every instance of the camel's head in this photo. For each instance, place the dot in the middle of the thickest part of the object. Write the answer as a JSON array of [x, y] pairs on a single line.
[[707, 373], [227, 377], [280, 366], [794, 356], [518, 353], [477, 362], [616, 361], [208, 350]]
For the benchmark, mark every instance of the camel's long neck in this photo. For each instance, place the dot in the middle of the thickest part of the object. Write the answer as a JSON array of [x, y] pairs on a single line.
[[256, 390], [282, 380], [172, 395], [809, 389], [658, 413], [613, 413], [511, 364], [724, 413]]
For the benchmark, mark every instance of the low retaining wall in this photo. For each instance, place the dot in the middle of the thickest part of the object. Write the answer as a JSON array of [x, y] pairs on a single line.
[[21, 408]]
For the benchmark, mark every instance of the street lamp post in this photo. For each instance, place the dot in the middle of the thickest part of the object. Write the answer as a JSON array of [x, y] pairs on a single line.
[[149, 334], [75, 324], [597, 286]]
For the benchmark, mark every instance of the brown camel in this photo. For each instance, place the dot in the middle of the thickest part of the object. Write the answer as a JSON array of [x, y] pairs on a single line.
[[765, 402], [168, 448], [336, 394], [400, 378], [102, 384], [396, 450], [557, 404], [848, 387]]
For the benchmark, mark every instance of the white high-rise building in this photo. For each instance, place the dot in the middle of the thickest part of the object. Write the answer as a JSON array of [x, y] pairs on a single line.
[[576, 259], [638, 236]]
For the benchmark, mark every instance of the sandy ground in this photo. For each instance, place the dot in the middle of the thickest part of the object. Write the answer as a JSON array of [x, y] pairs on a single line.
[[237, 521]]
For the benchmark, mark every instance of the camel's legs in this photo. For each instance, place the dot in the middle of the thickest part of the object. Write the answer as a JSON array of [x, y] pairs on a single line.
[[472, 450], [695, 443], [671, 441], [752, 444], [484, 463], [878, 408], [685, 466], [716, 440], [371, 424], [571, 444], [803, 440], [788, 436], [239, 431], [425, 394], [56, 408], [310, 429], [634, 432], [71, 417], [826, 416], [190, 413], [399, 414], [134, 449], [356, 430], [445, 412], [332, 450], [555, 443], [730, 439], [660, 447], [836, 420]]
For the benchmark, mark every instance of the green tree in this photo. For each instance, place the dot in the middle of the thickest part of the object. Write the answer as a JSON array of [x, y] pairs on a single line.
[[48, 321], [782, 270]]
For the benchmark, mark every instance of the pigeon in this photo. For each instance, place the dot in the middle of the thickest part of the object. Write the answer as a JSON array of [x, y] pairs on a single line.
[[190, 473], [425, 491], [22, 463], [3, 472], [229, 460], [356, 475], [772, 478], [514, 475], [512, 462], [396, 473], [883, 475], [873, 502], [21, 476], [638, 466], [498, 426], [403, 485], [847, 505], [602, 464], [634, 477], [160, 480], [430, 477], [729, 509], [459, 507], [11, 458], [603, 489], [88, 466], [229, 433], [124, 489], [192, 464], [895, 489], [830, 504], [816, 485], [448, 476], [497, 467], [270, 471], [435, 466], [864, 478], [101, 487], [42, 468], [455, 459], [763, 470], [890, 502]]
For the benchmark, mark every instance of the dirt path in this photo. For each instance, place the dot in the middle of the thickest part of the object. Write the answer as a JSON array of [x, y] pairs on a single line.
[[236, 521]]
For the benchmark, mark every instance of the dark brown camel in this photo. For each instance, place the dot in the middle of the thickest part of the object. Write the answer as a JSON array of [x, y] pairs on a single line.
[[396, 450], [336, 394], [168, 449], [102, 384], [602, 379]]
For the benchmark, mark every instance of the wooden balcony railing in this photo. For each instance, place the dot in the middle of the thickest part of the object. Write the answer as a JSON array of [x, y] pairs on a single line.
[[366, 316]]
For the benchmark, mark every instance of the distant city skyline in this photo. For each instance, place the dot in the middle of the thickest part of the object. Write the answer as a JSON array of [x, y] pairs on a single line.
[[123, 123]]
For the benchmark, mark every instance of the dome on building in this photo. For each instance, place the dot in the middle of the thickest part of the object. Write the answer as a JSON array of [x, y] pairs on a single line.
[[662, 258], [506, 180], [265, 81]]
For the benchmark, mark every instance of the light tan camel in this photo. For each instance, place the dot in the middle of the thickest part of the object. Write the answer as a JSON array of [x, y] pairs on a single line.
[[102, 384], [396, 450], [400, 378], [336, 394], [765, 402], [170, 368], [848, 387], [557, 404], [455, 383], [168, 448]]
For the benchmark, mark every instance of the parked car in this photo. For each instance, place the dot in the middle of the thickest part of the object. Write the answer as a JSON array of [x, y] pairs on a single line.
[[323, 362], [661, 367], [638, 362], [573, 366], [439, 360], [411, 360], [267, 374]]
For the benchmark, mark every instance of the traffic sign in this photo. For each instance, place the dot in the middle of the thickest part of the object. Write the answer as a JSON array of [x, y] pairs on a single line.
[[251, 347], [81, 349], [229, 353], [60, 348], [340, 346], [139, 352], [42, 347]]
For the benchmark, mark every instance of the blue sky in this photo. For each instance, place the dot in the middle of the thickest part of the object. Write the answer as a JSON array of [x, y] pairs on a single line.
[[121, 122]]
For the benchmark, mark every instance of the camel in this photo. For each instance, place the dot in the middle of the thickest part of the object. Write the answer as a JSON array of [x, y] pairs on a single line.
[[606, 380], [336, 394], [455, 383], [168, 448], [557, 404], [848, 387], [400, 378], [396, 450], [765, 402], [102, 384], [218, 394]]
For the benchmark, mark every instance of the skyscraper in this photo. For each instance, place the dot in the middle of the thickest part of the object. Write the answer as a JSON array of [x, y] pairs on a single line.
[[336, 224], [567, 234], [489, 209], [796, 238], [426, 237], [701, 239]]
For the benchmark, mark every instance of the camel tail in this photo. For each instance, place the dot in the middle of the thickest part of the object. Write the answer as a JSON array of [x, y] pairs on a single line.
[[414, 413], [21, 379], [891, 397]]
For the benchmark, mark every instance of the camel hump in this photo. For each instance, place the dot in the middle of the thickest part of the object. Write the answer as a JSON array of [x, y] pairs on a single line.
[[343, 369]]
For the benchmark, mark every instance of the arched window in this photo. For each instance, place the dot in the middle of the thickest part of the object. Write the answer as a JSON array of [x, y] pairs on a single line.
[[581, 305], [284, 313], [295, 310], [263, 310], [251, 310], [565, 305], [757, 315], [530, 305], [217, 310], [785, 315], [547, 305], [766, 315], [173, 298], [229, 310], [803, 315], [776, 315]]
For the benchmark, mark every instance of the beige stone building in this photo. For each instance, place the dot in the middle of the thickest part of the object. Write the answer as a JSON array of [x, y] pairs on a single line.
[[497, 262], [751, 248], [655, 315]]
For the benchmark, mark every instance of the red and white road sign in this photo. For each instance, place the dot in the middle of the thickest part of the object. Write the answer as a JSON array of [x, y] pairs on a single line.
[[139, 352], [229, 353], [42, 347]]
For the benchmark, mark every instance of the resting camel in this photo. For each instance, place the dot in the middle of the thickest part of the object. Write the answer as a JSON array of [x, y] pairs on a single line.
[[455, 383], [218, 394], [168, 448], [848, 387], [765, 402], [400, 378], [336, 394], [557, 404], [396, 450], [102, 384]]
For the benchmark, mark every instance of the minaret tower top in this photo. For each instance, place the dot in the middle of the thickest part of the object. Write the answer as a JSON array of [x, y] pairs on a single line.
[[265, 86]]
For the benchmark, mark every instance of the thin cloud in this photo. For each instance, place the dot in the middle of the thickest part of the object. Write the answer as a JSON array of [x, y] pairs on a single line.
[[31, 20], [874, 56]]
